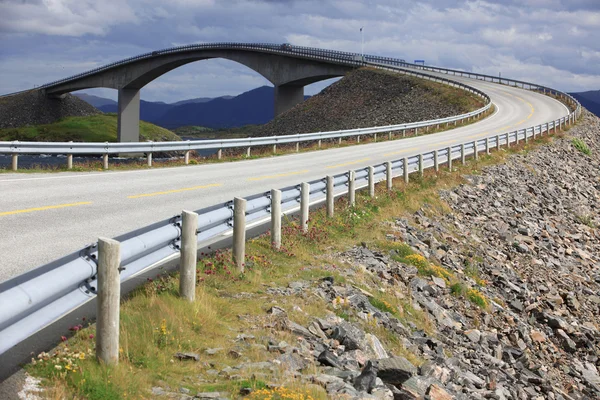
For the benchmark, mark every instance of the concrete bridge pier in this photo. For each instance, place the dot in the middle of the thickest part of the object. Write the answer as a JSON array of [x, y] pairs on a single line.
[[287, 96], [128, 116]]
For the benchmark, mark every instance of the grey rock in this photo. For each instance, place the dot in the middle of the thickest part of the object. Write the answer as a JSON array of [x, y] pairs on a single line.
[[395, 370]]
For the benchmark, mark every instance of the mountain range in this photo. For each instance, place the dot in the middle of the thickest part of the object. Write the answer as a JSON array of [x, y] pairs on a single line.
[[590, 100], [254, 107]]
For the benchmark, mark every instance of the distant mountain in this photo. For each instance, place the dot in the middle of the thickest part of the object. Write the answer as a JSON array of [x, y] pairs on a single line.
[[253, 107], [249, 108], [96, 101], [201, 100], [590, 100]]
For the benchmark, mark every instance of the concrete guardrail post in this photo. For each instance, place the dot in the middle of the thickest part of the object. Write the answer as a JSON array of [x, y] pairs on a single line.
[[149, 159], [330, 197], [15, 161], [403, 132], [186, 157], [436, 164], [390, 135], [351, 188], [248, 152], [497, 142], [276, 218], [304, 203], [462, 154], [449, 150], [70, 159], [371, 171], [219, 154], [388, 175], [416, 131], [421, 166], [108, 301], [487, 145], [475, 150], [188, 255], [357, 138], [526, 138], [405, 169], [239, 233], [339, 141], [375, 137], [105, 161], [274, 149]]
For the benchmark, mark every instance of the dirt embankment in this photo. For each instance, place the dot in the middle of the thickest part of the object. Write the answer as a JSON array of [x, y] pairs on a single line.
[[369, 97]]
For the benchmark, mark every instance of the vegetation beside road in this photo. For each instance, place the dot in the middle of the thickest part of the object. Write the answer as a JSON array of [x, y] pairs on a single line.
[[94, 128]]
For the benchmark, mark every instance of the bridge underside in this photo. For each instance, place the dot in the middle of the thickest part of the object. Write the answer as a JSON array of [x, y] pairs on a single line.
[[289, 75]]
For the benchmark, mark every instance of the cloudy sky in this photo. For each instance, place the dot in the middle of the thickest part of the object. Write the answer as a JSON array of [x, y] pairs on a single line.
[[551, 42]]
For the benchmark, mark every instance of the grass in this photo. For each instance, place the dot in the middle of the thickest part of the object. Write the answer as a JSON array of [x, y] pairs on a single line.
[[95, 128], [155, 323], [581, 146]]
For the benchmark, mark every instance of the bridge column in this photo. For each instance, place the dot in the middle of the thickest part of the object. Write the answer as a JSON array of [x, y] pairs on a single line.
[[287, 96], [128, 117]]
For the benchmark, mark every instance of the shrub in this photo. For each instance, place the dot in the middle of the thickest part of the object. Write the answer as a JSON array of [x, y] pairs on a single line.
[[476, 297], [581, 146]]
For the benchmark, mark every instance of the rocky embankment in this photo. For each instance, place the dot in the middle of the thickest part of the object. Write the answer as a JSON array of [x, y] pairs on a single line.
[[33, 108], [523, 236], [369, 97]]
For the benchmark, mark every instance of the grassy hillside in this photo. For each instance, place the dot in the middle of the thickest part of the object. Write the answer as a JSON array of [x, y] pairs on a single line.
[[95, 128]]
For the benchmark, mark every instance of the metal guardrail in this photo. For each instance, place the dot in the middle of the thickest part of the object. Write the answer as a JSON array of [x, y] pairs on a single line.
[[38, 298]]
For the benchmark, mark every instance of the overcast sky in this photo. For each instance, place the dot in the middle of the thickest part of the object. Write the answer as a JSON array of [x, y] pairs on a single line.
[[550, 42]]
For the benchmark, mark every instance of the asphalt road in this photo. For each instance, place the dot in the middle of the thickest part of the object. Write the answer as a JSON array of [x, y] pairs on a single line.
[[46, 216]]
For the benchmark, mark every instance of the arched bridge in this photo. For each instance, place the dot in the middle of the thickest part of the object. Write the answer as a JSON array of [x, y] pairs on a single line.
[[287, 67]]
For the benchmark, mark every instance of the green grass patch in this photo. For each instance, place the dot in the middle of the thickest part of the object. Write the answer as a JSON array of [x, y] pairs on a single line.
[[95, 128], [581, 146]]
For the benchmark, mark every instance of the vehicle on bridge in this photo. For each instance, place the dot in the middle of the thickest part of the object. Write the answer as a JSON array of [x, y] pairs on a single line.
[[285, 46]]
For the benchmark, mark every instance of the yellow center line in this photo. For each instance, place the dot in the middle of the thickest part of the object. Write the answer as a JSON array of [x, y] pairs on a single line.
[[348, 163], [44, 208], [502, 129], [137, 196], [401, 151], [520, 122], [447, 142], [260, 178]]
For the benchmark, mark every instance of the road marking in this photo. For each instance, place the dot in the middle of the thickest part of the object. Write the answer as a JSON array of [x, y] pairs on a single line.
[[520, 122], [27, 210], [137, 196], [400, 152], [260, 178], [502, 129], [348, 163]]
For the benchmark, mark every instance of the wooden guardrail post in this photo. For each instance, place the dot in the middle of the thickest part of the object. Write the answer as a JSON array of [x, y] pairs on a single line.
[[108, 301], [70, 159], [388, 175], [330, 196], [188, 255], [15, 161], [304, 203], [276, 218], [449, 158], [421, 166], [248, 152], [219, 154], [351, 188], [239, 233], [149, 156], [105, 161], [405, 169], [186, 157], [487, 145], [371, 175], [297, 147], [436, 163], [475, 150], [274, 149], [462, 154]]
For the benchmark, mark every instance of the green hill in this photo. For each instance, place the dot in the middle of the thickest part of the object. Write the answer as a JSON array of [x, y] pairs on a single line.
[[95, 128]]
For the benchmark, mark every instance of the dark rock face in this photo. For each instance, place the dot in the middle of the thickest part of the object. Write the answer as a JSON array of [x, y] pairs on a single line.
[[34, 108]]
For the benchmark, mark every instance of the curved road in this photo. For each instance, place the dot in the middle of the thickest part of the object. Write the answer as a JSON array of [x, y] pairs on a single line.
[[46, 216]]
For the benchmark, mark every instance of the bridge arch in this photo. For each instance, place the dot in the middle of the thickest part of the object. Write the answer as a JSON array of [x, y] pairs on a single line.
[[288, 72]]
